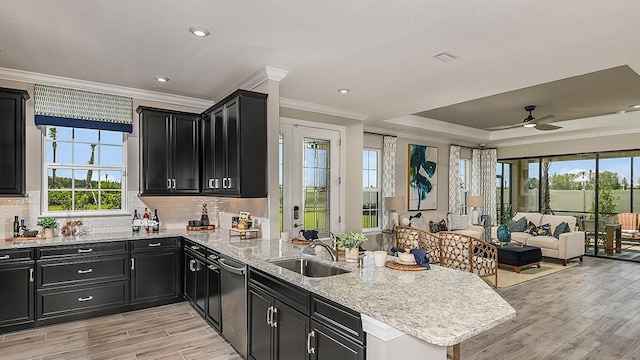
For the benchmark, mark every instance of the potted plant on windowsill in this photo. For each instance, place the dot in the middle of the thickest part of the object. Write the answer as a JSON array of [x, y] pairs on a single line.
[[48, 225], [351, 242]]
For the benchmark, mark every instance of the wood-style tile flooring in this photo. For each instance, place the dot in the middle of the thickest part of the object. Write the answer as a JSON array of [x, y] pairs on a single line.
[[172, 332], [591, 311]]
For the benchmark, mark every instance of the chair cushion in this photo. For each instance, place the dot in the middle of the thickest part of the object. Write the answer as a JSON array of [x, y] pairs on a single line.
[[545, 242]]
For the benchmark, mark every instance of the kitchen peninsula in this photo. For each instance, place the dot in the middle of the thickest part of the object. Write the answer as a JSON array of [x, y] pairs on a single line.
[[420, 312]]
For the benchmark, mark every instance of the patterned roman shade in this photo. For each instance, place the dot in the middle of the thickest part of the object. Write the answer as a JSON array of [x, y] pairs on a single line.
[[60, 106]]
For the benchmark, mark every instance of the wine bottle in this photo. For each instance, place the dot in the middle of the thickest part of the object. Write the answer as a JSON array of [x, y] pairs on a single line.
[[22, 227], [135, 224], [155, 224], [145, 219], [16, 227]]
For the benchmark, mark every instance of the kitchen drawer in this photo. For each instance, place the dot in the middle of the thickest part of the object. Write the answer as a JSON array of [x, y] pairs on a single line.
[[11, 255], [55, 252], [289, 294], [68, 301], [94, 269], [193, 247], [150, 244], [338, 317]]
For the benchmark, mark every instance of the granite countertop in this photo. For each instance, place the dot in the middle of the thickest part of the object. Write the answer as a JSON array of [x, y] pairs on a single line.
[[440, 306]]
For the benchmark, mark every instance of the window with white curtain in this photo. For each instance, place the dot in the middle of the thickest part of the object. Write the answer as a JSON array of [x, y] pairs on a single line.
[[371, 189], [464, 184]]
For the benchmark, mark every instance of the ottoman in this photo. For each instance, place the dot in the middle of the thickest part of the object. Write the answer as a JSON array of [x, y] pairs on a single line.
[[518, 257]]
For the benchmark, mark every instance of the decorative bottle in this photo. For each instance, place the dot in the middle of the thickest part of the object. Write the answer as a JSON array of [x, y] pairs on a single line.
[[135, 224], [155, 224], [16, 227], [145, 219]]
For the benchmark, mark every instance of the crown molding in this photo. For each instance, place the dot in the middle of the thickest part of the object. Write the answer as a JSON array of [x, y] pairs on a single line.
[[444, 127], [37, 78], [321, 109], [256, 79], [418, 137]]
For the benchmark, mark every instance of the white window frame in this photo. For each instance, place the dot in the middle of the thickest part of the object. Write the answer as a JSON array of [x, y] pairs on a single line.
[[464, 191], [377, 190], [44, 203]]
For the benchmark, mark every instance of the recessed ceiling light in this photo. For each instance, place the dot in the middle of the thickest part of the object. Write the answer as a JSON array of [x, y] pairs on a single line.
[[162, 79], [344, 91], [199, 31], [445, 56], [636, 106]]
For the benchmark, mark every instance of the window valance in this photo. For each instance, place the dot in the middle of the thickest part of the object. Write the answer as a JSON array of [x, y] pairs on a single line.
[[60, 106]]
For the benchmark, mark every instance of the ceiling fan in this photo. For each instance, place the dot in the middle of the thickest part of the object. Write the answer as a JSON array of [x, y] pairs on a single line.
[[541, 123]]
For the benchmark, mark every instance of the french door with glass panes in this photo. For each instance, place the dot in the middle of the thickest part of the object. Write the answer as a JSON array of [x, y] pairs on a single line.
[[310, 179]]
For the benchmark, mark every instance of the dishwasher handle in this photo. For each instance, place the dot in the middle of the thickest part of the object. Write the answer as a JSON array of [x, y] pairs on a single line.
[[234, 270]]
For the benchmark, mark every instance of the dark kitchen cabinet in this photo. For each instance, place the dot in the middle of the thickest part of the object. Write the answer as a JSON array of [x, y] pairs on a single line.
[[12, 141], [17, 283], [212, 305], [276, 330], [169, 144], [155, 271], [234, 145], [195, 280], [325, 343]]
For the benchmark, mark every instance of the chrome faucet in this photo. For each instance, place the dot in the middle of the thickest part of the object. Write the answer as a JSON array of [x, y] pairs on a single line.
[[333, 252]]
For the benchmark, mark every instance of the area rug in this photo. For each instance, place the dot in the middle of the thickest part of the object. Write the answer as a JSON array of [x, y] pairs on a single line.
[[507, 277]]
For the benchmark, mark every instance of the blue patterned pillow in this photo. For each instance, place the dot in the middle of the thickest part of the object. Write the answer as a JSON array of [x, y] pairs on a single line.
[[438, 226], [542, 230], [530, 228]]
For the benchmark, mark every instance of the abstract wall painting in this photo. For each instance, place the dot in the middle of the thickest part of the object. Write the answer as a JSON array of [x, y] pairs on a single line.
[[423, 177]]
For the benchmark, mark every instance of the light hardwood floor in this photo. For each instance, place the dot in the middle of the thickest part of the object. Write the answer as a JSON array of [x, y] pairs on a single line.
[[591, 311], [172, 332]]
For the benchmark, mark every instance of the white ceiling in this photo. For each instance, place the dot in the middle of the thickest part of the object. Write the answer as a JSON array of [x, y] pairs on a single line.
[[379, 49]]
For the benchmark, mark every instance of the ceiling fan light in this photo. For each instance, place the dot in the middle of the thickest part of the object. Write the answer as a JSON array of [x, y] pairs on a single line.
[[529, 124]]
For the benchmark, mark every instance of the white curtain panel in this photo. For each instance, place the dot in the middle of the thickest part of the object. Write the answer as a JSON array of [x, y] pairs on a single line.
[[454, 179], [388, 174], [483, 179]]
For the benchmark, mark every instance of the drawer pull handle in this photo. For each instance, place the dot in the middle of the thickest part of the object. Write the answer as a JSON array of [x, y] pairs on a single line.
[[30, 275], [274, 321], [85, 250], [213, 267], [133, 263], [88, 298], [195, 247], [269, 312], [5, 257], [310, 350], [80, 271], [155, 244]]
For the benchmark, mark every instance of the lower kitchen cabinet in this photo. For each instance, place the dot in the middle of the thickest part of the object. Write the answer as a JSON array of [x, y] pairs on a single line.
[[212, 306], [276, 330], [195, 280], [17, 281], [326, 343], [72, 302], [155, 271]]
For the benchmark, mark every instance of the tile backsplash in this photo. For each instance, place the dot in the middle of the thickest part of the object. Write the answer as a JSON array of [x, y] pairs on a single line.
[[174, 212]]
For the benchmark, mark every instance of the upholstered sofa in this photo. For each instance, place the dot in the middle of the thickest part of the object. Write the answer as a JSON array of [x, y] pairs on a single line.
[[460, 224], [568, 245]]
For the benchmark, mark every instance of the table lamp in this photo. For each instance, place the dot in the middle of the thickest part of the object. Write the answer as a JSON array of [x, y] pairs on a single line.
[[393, 203], [475, 202]]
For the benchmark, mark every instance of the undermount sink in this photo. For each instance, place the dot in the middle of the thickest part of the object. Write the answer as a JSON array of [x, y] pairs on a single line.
[[310, 268]]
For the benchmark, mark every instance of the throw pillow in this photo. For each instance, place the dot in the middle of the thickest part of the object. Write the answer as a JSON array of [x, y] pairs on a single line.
[[437, 226], [530, 228], [519, 225], [562, 228], [458, 222]]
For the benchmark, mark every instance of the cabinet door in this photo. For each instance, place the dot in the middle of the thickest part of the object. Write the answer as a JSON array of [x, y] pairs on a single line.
[[16, 302], [206, 136], [12, 141], [200, 274], [291, 329], [219, 152], [189, 277], [260, 332], [156, 152], [185, 159], [328, 344], [154, 276], [212, 313], [232, 182]]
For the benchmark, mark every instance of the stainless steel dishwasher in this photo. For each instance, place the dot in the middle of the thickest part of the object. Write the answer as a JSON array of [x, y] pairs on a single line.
[[233, 292]]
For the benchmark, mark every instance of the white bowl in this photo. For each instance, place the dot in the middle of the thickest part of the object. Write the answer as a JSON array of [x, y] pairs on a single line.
[[406, 257]]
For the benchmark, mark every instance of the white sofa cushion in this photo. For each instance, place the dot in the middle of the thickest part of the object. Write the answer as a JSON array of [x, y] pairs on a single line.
[[535, 218], [547, 242], [520, 236]]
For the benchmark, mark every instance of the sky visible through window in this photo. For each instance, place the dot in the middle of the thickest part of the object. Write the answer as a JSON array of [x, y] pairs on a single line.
[[620, 166]]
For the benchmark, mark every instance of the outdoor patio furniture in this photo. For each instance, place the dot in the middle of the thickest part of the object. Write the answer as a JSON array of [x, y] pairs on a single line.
[[630, 225], [589, 228]]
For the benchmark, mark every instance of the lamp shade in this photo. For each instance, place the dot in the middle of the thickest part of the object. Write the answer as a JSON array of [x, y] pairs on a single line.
[[394, 202], [475, 201]]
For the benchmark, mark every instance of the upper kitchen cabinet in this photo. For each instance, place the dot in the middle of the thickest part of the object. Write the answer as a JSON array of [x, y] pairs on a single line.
[[234, 144], [12, 141], [169, 144]]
